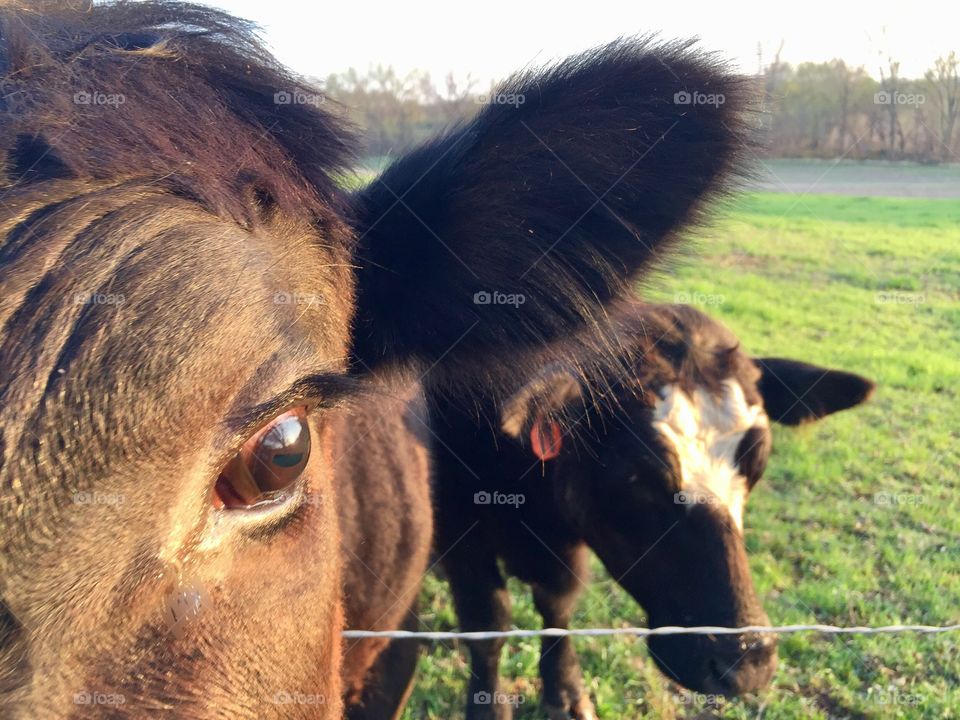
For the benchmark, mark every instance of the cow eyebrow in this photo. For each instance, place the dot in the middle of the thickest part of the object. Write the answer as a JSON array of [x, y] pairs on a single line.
[[325, 391]]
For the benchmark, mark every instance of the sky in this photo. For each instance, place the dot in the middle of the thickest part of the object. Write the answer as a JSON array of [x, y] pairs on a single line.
[[492, 38]]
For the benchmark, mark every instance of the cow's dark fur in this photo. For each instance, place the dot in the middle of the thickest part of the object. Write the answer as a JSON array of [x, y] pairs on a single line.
[[615, 490], [198, 200], [515, 200], [387, 527]]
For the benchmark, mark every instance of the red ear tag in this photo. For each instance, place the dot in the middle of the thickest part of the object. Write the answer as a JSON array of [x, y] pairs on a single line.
[[545, 438]]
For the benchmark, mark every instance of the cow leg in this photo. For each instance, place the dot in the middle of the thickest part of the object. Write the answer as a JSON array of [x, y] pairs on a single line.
[[389, 682], [563, 694], [483, 603]]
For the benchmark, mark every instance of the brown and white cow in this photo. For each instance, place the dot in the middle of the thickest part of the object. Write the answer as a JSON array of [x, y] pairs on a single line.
[[652, 475]]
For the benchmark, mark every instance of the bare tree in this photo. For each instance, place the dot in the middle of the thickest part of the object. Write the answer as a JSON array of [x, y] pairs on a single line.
[[460, 101], [890, 82], [845, 81], [944, 79]]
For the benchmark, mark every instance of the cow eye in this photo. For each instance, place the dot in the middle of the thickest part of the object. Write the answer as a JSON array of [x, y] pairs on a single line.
[[267, 467]]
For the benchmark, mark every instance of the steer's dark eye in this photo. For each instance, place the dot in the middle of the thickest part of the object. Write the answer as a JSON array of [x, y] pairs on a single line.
[[268, 465]]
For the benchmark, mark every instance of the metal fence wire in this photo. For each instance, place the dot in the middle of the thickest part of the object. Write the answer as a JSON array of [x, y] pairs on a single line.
[[648, 632]]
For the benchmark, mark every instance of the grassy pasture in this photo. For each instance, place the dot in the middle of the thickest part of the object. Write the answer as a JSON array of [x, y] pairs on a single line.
[[857, 519]]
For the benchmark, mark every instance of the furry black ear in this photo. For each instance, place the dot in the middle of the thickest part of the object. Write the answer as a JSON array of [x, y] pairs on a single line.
[[515, 227], [795, 392]]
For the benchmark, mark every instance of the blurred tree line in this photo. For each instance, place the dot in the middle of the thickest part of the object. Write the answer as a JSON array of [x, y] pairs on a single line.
[[830, 109], [397, 112], [817, 110]]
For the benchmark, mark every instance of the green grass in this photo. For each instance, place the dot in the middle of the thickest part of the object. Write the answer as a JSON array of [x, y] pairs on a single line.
[[865, 284]]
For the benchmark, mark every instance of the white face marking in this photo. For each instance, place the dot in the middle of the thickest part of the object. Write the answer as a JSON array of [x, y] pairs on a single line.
[[705, 431]]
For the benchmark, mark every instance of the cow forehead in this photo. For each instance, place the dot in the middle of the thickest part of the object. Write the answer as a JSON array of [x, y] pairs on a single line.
[[132, 346], [705, 429]]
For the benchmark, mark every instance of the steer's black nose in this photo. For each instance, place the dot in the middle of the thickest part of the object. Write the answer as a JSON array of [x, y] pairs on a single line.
[[742, 663], [717, 664]]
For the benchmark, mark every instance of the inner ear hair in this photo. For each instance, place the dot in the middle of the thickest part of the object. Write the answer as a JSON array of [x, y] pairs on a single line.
[[547, 392], [260, 196]]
